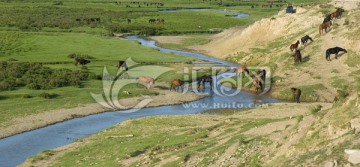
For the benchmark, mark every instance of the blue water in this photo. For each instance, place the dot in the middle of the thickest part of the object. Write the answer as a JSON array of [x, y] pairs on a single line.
[[15, 149]]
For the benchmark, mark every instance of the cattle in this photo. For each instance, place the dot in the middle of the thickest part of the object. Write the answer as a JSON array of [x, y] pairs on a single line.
[[335, 51], [176, 84], [146, 81], [122, 64], [296, 94], [81, 61]]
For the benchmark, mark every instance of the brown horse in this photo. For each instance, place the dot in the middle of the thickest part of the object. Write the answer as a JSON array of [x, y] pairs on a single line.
[[257, 85], [146, 81], [324, 26], [297, 56], [176, 84], [297, 94], [337, 14], [294, 46], [241, 71]]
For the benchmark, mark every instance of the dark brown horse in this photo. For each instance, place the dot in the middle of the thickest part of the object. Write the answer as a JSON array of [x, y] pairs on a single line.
[[338, 13], [203, 79], [297, 56], [294, 46], [296, 94], [324, 26]]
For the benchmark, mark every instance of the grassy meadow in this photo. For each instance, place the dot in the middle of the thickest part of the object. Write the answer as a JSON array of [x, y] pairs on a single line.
[[47, 32]]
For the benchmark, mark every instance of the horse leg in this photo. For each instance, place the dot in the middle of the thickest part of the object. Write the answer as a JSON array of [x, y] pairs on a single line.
[[336, 55]]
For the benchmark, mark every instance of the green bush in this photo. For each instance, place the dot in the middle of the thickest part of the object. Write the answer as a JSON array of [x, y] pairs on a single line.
[[26, 96], [315, 109], [35, 76], [47, 95]]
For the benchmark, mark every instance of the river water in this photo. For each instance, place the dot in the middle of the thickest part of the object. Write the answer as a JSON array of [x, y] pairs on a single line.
[[15, 149]]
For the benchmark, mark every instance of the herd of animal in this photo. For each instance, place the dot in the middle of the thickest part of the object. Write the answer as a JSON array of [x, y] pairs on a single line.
[[327, 23], [258, 79]]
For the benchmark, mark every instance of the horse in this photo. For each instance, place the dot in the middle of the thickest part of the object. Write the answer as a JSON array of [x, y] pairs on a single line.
[[146, 81], [294, 46], [338, 13], [122, 64], [327, 18], [176, 84], [128, 21], [261, 75], [258, 85], [161, 21], [296, 94], [241, 70], [324, 26], [305, 39], [203, 79], [152, 20], [335, 51], [297, 56]]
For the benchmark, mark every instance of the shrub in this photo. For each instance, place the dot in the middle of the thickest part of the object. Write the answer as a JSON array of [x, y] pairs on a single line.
[[315, 109], [47, 95], [26, 96]]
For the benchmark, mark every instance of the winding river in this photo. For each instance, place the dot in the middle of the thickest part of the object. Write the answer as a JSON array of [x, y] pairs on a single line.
[[15, 149]]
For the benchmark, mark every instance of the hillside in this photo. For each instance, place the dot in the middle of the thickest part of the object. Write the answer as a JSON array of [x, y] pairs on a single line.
[[267, 42]]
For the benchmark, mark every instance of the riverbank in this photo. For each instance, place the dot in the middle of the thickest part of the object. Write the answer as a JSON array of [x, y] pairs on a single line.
[[254, 136], [35, 121]]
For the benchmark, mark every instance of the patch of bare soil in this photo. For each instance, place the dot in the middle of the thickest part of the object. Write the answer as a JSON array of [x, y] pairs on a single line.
[[51, 117]]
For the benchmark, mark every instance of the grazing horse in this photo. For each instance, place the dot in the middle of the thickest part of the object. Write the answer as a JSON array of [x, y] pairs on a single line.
[[122, 64], [294, 46], [81, 61], [203, 79], [305, 39], [261, 75], [297, 94], [176, 84], [324, 26], [146, 81], [258, 85], [241, 70], [327, 18], [297, 56], [152, 20], [335, 51], [338, 13], [161, 21], [128, 21]]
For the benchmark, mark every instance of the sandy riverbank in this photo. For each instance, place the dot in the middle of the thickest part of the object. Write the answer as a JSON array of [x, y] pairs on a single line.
[[36, 121]]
